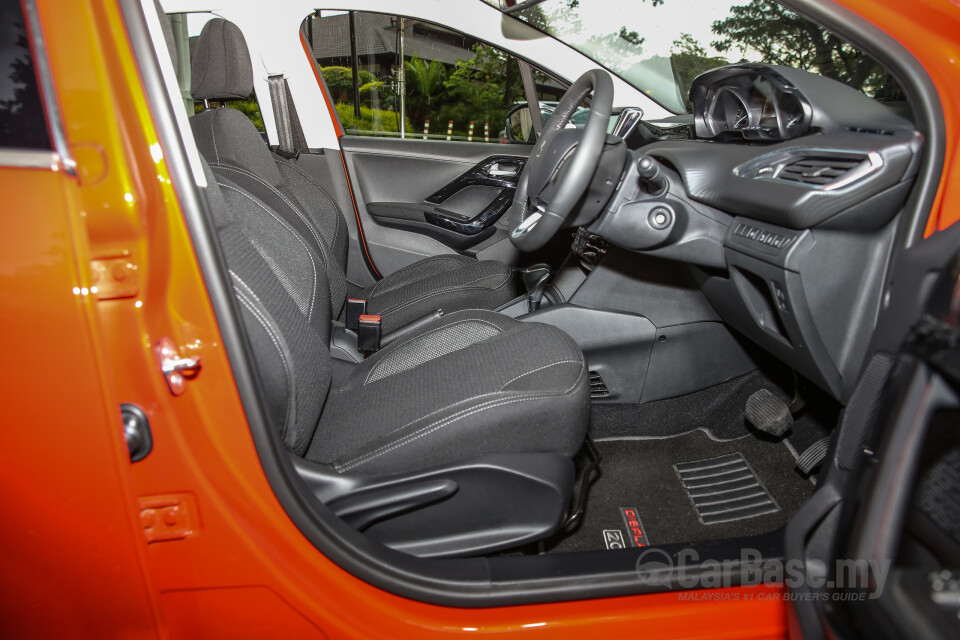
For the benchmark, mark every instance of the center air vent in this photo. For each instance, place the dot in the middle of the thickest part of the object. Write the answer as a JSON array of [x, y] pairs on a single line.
[[819, 171], [598, 388], [676, 132]]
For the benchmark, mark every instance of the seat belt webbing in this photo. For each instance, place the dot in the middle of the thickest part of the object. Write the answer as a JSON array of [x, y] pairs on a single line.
[[290, 133]]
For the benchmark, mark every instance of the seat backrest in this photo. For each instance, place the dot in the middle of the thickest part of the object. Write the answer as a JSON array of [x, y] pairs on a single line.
[[221, 70], [282, 298]]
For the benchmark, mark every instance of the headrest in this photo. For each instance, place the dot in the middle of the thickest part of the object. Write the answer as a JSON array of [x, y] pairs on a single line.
[[167, 32], [220, 68]]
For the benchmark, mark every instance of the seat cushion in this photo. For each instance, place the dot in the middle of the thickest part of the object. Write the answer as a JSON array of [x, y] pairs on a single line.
[[472, 383], [450, 282]]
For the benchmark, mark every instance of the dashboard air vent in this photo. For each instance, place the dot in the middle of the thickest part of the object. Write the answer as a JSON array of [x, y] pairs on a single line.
[[818, 170], [676, 132], [824, 169], [598, 388]]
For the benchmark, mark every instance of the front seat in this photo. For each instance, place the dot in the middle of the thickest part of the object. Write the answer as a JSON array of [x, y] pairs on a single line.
[[456, 439], [221, 71]]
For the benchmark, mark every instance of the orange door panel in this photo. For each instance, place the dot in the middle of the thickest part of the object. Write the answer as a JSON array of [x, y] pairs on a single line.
[[71, 554]]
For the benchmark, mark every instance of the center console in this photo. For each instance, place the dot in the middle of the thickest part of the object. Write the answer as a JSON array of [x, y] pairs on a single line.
[[645, 327]]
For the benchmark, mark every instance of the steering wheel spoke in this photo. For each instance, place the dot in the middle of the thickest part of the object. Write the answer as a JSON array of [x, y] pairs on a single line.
[[530, 231]]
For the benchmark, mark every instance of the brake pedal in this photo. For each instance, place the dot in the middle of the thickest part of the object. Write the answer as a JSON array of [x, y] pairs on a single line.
[[768, 413]]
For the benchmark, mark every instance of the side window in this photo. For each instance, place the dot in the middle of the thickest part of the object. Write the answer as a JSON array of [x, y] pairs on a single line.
[[186, 29], [22, 121], [357, 55], [394, 76], [457, 87]]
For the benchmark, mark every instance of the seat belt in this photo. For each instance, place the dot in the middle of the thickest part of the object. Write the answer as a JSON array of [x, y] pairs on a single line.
[[289, 131]]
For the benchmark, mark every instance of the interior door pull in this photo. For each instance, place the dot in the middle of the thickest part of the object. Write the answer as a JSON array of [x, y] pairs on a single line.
[[503, 170]]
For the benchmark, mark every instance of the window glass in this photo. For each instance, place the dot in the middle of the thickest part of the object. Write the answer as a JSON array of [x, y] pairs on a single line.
[[459, 85], [186, 29], [369, 103], [449, 87], [660, 46], [22, 121]]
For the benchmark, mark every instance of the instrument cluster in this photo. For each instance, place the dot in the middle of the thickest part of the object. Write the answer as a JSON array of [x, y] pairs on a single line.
[[749, 101]]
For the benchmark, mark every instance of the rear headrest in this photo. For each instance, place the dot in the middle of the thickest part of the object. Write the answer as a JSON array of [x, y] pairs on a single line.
[[220, 68]]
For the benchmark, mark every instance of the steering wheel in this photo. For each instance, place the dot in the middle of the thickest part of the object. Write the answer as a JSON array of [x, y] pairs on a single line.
[[542, 202]]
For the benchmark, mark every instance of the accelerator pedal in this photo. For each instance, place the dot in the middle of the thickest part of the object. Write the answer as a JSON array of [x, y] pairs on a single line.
[[768, 413]]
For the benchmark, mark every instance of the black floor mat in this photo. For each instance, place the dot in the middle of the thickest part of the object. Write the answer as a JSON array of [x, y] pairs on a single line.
[[641, 474], [718, 410]]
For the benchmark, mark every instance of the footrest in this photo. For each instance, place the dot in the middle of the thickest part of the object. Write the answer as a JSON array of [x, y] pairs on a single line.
[[768, 413]]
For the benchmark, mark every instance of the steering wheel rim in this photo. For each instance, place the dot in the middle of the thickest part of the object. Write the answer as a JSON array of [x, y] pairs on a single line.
[[532, 224]]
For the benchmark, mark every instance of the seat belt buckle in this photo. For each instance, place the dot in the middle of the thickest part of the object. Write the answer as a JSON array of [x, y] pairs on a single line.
[[368, 333], [355, 309]]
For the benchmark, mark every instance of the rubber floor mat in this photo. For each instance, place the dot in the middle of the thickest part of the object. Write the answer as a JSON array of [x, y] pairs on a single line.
[[724, 489]]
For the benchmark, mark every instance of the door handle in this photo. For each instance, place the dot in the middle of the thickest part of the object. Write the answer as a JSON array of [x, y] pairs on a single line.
[[505, 170]]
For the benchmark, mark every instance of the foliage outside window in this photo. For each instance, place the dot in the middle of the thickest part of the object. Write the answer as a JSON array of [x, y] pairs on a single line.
[[660, 46], [22, 121], [248, 107], [450, 80]]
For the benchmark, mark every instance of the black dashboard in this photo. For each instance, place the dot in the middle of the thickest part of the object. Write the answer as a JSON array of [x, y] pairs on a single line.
[[781, 195]]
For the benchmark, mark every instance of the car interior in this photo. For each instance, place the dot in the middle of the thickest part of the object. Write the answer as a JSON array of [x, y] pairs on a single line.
[[639, 334]]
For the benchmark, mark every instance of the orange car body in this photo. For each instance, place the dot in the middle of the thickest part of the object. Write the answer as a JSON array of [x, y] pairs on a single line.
[[191, 542]]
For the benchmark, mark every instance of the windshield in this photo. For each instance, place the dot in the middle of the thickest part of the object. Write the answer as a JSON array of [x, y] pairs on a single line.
[[660, 46]]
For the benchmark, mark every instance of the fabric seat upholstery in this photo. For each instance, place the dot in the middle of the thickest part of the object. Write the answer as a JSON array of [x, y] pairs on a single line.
[[471, 383], [448, 282], [233, 147], [474, 382]]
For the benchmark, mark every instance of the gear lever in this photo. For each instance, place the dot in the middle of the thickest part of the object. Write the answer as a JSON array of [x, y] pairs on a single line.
[[535, 279]]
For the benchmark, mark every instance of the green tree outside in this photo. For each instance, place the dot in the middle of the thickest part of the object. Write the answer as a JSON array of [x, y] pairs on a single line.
[[426, 82], [781, 36]]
